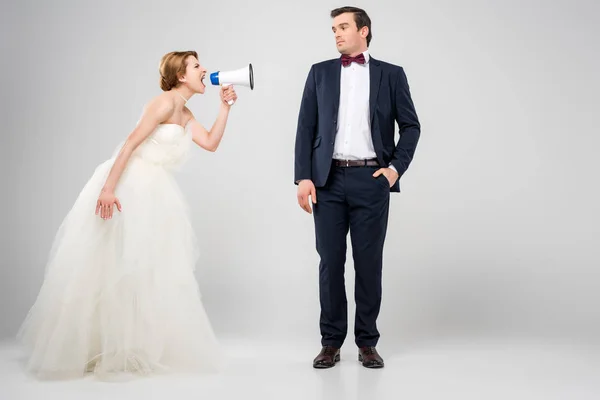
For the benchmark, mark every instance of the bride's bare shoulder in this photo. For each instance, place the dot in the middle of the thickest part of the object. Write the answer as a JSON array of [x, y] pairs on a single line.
[[161, 106], [162, 100], [188, 115]]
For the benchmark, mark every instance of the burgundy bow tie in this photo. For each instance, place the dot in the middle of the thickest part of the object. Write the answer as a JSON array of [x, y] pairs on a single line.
[[347, 60]]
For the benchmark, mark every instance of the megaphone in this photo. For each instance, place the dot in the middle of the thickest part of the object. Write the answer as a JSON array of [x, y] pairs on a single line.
[[243, 76]]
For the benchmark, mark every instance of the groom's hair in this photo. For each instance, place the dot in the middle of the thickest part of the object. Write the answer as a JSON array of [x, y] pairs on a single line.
[[360, 17]]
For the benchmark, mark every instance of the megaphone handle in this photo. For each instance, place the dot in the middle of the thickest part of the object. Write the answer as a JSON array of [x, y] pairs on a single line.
[[230, 102]]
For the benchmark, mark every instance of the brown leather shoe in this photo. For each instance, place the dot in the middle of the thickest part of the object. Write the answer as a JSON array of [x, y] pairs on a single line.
[[369, 357], [327, 357]]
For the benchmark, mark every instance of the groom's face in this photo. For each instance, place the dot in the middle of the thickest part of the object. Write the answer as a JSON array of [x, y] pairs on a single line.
[[348, 38]]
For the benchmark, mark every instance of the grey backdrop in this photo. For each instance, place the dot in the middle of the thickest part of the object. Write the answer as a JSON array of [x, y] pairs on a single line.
[[495, 232]]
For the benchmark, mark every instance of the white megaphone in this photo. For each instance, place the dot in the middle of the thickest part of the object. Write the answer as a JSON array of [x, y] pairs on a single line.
[[243, 76]]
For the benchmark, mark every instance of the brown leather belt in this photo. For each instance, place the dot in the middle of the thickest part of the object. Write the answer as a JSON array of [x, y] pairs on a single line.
[[356, 163]]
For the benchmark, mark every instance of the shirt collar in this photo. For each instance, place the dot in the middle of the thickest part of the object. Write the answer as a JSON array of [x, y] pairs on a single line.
[[366, 54]]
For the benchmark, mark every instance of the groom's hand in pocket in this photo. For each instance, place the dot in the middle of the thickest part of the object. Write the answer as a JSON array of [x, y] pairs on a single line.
[[306, 189], [389, 173]]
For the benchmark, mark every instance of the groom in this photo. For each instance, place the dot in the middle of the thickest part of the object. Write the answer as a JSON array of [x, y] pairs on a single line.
[[347, 162]]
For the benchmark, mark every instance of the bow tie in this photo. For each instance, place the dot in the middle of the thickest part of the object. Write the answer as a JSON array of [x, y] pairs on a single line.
[[347, 60]]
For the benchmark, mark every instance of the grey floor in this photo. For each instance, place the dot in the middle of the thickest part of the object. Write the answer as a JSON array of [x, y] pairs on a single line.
[[481, 369]]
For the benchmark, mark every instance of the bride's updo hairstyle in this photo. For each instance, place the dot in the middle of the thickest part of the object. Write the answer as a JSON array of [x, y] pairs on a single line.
[[172, 67]]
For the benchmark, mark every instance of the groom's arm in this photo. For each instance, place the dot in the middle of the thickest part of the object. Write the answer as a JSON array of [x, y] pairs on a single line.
[[305, 133], [408, 124]]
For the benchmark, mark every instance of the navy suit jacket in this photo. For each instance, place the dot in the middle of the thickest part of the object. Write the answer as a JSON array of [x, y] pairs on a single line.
[[390, 102]]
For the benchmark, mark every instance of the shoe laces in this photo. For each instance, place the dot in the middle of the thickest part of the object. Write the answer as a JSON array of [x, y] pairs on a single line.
[[369, 350], [329, 351]]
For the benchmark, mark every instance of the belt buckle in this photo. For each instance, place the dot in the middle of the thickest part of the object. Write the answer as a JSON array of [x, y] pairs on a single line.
[[347, 163]]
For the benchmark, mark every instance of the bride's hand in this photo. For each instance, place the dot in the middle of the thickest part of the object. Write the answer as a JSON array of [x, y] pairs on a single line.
[[228, 93], [105, 203]]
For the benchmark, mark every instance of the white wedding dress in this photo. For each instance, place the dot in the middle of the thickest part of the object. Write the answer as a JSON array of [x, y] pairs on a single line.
[[120, 296]]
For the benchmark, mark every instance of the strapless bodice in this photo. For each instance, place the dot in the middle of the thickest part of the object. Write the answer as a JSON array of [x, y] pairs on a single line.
[[167, 146]]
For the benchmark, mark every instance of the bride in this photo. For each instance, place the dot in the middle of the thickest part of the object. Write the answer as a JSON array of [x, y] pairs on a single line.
[[119, 294]]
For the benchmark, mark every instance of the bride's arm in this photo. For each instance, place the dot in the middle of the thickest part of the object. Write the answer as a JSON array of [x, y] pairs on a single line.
[[157, 111], [209, 140]]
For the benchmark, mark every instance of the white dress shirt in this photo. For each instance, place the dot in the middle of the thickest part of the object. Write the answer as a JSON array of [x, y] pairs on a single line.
[[353, 139]]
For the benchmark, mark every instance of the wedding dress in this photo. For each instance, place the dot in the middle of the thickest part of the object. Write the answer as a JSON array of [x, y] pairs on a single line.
[[119, 296]]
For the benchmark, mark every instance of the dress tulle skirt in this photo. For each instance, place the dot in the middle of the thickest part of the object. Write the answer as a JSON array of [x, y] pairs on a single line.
[[119, 296]]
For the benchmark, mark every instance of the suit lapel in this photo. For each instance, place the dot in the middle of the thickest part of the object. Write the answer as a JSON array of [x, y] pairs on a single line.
[[335, 74], [375, 82]]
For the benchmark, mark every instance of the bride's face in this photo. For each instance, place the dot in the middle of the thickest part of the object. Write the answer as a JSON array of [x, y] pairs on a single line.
[[194, 75]]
